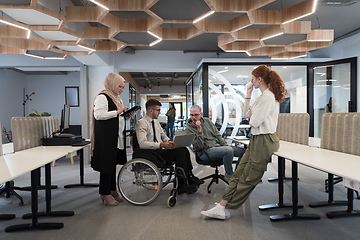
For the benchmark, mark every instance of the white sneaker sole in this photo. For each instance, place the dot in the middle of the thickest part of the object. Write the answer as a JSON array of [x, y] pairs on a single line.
[[205, 213]]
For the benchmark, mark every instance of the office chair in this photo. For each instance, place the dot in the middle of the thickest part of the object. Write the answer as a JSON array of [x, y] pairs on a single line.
[[214, 163], [8, 188]]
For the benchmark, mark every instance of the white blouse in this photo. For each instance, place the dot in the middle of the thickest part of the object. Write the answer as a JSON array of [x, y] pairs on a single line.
[[263, 113], [101, 113]]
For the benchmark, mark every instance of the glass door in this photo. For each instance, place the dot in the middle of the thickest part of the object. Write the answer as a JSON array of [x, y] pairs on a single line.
[[333, 91], [132, 103]]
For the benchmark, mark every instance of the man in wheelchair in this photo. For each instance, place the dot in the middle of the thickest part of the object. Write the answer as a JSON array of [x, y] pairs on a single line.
[[151, 136]]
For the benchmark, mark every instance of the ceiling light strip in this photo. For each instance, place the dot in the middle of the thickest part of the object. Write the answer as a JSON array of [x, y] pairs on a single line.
[[314, 6], [319, 40], [279, 58], [14, 25], [56, 58], [203, 16], [155, 42], [275, 35], [153, 34], [298, 18], [33, 55], [99, 4], [88, 48], [305, 55]]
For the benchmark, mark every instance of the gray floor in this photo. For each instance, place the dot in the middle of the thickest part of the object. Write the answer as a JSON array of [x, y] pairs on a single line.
[[92, 220]]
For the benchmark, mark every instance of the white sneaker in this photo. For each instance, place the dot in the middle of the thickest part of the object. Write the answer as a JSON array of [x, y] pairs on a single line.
[[216, 212], [227, 214]]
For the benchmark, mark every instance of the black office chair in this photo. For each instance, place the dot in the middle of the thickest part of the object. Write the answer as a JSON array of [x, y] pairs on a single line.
[[8, 189], [214, 163]]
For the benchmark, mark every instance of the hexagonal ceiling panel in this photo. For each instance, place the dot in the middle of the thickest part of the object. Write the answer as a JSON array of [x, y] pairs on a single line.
[[257, 28]]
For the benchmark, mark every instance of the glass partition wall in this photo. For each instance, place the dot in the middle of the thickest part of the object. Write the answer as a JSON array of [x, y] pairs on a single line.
[[333, 91], [219, 88], [223, 98]]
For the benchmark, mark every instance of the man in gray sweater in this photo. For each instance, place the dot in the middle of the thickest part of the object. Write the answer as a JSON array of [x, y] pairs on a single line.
[[208, 138]]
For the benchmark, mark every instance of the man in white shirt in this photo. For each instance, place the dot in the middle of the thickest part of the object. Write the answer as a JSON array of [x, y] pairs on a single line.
[[150, 135]]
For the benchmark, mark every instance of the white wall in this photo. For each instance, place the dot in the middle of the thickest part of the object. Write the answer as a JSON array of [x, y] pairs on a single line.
[[50, 94], [154, 61], [12, 85]]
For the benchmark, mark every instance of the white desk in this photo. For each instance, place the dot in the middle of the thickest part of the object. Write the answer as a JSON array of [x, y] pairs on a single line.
[[17, 164], [332, 162], [68, 149], [337, 163]]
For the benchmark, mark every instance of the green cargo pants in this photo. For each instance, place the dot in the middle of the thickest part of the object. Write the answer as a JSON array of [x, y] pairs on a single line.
[[252, 166]]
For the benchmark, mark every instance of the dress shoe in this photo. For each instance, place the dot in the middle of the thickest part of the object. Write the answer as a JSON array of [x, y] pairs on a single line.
[[117, 197], [111, 203], [196, 180]]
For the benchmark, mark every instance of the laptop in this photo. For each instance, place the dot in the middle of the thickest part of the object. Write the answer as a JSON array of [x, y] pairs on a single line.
[[184, 140]]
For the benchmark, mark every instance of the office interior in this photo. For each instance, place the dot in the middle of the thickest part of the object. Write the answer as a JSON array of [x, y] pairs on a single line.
[[216, 81]]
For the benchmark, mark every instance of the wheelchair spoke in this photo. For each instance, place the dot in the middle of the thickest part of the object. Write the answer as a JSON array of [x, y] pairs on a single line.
[[139, 181]]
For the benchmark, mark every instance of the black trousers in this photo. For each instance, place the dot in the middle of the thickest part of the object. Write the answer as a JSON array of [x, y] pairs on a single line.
[[108, 181], [180, 156]]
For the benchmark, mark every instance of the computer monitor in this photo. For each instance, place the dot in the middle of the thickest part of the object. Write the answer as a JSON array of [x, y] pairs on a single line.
[[65, 118]]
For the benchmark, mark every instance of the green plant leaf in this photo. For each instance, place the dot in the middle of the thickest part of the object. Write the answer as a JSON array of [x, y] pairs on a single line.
[[45, 114], [36, 112]]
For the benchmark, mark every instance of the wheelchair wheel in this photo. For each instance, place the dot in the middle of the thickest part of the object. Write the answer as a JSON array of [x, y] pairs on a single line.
[[139, 181], [166, 175], [171, 201]]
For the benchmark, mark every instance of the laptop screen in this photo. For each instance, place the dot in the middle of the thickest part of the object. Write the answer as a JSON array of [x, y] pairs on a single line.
[[248, 135]]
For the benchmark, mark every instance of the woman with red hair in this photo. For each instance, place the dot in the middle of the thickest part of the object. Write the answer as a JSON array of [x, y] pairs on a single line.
[[263, 116]]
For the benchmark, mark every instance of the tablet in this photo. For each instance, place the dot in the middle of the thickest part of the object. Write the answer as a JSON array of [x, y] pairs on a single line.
[[127, 112]]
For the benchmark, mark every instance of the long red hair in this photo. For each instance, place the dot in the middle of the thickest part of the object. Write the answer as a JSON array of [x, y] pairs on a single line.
[[273, 80]]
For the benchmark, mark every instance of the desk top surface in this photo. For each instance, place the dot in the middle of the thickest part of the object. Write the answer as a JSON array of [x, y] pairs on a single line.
[[16, 164], [337, 163]]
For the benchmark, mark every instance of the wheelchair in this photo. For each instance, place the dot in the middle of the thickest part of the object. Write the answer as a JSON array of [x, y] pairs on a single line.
[[141, 179]]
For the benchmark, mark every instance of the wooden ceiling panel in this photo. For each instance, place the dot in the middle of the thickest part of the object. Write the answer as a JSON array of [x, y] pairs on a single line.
[[24, 44], [7, 31], [127, 16], [266, 17], [96, 32], [10, 50]]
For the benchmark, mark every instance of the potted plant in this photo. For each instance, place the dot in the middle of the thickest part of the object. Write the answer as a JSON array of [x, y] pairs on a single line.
[[36, 114]]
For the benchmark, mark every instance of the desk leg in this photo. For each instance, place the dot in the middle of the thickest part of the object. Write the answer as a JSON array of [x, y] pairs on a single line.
[[40, 187], [277, 178], [349, 212], [294, 215], [48, 212], [330, 201], [7, 216], [82, 184], [34, 225], [281, 176]]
